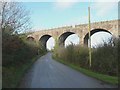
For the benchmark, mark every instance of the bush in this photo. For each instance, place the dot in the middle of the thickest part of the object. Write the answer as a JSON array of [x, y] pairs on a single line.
[[104, 57], [15, 51], [17, 55], [73, 54]]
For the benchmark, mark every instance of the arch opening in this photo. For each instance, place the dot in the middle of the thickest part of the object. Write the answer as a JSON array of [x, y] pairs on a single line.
[[97, 37], [50, 44], [63, 37], [72, 39], [43, 40], [30, 38]]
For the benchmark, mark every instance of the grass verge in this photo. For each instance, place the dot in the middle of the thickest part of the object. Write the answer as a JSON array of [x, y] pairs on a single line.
[[105, 78], [13, 75]]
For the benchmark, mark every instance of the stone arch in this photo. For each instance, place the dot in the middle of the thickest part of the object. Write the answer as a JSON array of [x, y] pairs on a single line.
[[62, 38], [43, 40], [93, 32], [30, 38]]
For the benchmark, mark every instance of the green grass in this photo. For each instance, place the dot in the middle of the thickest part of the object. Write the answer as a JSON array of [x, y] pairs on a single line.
[[105, 78], [13, 75]]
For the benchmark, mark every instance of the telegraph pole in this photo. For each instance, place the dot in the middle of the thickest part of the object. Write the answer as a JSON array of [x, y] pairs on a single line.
[[89, 28]]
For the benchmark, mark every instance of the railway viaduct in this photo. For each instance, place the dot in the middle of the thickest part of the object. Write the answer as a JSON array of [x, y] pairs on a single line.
[[60, 34]]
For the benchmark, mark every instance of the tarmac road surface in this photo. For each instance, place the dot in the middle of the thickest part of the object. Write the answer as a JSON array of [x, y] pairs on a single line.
[[48, 73]]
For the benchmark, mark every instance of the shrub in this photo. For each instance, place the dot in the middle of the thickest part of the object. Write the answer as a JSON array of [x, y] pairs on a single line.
[[17, 55], [15, 51], [73, 54], [104, 57]]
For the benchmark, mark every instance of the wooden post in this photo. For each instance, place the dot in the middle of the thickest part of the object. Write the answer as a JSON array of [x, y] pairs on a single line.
[[89, 28]]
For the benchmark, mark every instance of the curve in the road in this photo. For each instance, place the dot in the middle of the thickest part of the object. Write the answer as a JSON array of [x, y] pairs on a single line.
[[48, 73]]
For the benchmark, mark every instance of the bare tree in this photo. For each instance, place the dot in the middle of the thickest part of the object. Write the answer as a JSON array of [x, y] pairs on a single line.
[[14, 15]]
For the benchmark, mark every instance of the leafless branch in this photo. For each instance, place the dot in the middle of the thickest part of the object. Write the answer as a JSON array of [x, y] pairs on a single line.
[[14, 15]]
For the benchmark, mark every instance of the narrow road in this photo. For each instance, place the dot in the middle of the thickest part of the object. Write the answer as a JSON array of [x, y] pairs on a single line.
[[48, 73]]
